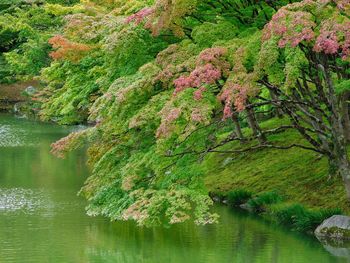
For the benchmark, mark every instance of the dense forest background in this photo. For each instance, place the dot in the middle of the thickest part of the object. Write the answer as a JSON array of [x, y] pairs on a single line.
[[166, 84]]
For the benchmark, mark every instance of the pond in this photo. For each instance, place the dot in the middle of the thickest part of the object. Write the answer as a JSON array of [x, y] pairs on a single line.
[[43, 220]]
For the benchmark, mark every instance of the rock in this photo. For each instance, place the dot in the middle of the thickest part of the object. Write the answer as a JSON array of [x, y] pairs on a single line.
[[227, 161], [30, 90], [335, 227], [216, 199], [246, 206], [16, 107]]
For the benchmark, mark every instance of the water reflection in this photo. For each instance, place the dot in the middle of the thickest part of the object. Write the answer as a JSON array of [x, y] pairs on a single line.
[[42, 219], [10, 137], [25, 200], [338, 248]]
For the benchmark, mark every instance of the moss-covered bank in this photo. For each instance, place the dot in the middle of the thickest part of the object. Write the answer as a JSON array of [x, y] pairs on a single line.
[[273, 207], [300, 176], [11, 94]]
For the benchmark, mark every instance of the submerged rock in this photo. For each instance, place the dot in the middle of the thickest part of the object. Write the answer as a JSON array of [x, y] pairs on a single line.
[[335, 227], [246, 207], [216, 199]]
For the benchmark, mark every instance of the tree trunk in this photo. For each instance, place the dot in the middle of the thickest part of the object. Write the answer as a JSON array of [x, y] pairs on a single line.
[[274, 97], [238, 129], [342, 167], [344, 107], [339, 156], [253, 124]]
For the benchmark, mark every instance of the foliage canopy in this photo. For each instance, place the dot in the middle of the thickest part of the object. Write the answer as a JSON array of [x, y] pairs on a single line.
[[164, 83]]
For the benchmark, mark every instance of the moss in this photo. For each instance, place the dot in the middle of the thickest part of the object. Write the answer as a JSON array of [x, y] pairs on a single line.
[[301, 175], [13, 92], [336, 232]]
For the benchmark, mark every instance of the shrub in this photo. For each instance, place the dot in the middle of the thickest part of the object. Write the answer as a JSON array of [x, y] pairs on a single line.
[[301, 219], [288, 215], [314, 218], [238, 197], [259, 203]]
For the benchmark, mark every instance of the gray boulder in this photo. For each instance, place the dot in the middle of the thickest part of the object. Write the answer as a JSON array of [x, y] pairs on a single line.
[[30, 90], [216, 199], [335, 227]]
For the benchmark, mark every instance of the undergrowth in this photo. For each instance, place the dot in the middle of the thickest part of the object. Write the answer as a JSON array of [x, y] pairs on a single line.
[[274, 207]]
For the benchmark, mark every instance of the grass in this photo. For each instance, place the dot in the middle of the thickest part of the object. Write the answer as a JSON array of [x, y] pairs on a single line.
[[298, 218], [272, 207], [238, 197], [300, 176], [261, 202]]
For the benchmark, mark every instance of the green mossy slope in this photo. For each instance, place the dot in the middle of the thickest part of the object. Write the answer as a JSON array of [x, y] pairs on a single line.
[[300, 176]]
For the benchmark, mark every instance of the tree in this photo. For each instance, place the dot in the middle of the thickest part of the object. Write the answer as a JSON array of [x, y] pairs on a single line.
[[160, 104], [314, 38], [304, 63], [25, 27]]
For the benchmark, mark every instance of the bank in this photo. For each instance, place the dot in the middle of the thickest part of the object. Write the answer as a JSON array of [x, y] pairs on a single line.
[[15, 94], [299, 177]]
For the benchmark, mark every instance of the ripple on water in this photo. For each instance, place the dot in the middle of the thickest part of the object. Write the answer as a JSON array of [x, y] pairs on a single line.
[[10, 137], [23, 200]]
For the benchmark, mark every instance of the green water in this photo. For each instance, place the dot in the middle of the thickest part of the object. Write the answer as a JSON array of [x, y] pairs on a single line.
[[43, 220]]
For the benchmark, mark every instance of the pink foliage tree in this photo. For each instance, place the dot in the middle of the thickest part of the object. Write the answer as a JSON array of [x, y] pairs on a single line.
[[211, 66], [140, 16], [294, 25]]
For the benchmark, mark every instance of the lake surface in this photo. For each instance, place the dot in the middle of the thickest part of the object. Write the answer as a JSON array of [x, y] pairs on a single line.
[[43, 220]]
